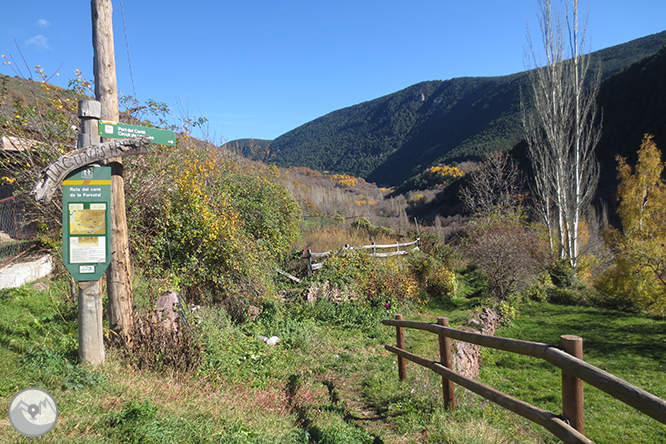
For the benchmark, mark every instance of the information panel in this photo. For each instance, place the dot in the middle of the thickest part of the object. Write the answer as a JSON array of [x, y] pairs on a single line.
[[86, 222]]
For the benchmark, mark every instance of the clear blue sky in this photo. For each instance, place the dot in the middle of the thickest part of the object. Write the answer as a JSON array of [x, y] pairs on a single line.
[[259, 68]]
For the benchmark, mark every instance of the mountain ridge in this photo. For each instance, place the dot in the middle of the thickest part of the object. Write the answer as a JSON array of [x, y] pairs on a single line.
[[394, 137]]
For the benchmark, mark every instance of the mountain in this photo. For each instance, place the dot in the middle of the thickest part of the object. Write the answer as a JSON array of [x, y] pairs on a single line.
[[395, 137]]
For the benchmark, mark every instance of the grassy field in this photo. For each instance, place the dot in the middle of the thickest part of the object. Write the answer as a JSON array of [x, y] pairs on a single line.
[[329, 380]]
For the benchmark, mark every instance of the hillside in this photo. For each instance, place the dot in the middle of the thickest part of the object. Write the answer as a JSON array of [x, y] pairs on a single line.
[[392, 138]]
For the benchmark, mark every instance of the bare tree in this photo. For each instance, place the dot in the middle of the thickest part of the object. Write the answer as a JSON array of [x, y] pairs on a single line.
[[494, 186], [562, 126]]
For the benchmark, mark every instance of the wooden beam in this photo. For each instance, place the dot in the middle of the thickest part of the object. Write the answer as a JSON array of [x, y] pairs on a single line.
[[54, 174], [550, 421]]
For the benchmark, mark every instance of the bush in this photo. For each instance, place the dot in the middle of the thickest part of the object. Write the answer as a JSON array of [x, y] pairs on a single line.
[[506, 251], [215, 229], [375, 280], [156, 347], [561, 273]]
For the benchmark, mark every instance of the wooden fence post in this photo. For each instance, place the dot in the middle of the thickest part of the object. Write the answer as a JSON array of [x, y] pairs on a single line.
[[446, 359], [309, 257], [400, 339], [572, 387]]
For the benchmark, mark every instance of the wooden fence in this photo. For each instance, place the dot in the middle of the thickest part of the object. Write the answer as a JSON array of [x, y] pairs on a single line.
[[312, 266], [570, 426]]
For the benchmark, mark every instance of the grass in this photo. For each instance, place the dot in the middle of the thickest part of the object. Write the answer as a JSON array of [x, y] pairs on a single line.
[[329, 380], [629, 346]]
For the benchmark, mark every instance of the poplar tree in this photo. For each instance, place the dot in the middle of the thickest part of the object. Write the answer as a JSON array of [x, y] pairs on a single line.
[[562, 127]]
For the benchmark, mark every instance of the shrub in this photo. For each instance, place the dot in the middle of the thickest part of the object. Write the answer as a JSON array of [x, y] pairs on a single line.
[[215, 229], [155, 347], [561, 273], [376, 280], [506, 251]]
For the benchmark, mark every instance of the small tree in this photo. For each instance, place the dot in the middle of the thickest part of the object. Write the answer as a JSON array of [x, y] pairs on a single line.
[[640, 266], [496, 184]]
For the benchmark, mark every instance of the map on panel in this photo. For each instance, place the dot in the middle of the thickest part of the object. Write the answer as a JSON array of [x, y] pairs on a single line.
[[87, 222]]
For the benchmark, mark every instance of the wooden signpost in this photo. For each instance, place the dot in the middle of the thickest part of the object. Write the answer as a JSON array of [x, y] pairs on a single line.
[[94, 220]]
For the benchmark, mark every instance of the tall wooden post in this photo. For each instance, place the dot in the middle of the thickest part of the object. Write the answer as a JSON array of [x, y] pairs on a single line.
[[118, 281], [572, 387], [90, 309]]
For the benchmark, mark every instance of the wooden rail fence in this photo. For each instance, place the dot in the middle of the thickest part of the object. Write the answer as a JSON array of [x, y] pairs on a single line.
[[569, 427], [312, 266]]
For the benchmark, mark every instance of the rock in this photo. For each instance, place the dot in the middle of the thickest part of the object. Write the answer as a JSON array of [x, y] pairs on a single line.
[[40, 286], [467, 356], [166, 310], [270, 341]]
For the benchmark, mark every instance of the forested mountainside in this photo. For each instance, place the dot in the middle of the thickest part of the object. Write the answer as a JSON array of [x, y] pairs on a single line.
[[395, 137]]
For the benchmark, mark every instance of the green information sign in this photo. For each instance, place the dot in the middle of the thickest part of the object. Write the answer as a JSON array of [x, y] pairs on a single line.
[[115, 130], [86, 222]]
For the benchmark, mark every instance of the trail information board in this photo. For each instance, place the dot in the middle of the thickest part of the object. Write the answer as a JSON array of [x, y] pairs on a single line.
[[86, 222]]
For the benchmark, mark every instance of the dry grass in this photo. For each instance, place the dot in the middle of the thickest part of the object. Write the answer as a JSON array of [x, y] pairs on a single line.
[[334, 237]]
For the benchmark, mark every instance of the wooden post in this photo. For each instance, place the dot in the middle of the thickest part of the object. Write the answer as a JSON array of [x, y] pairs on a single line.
[[91, 342], [446, 358], [90, 111], [572, 387], [400, 343], [309, 257], [118, 280], [91, 336]]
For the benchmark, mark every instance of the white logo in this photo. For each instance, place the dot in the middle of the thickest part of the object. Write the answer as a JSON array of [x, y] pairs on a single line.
[[33, 412]]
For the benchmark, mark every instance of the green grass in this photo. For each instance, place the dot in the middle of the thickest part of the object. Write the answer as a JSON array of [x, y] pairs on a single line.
[[329, 380], [629, 346]]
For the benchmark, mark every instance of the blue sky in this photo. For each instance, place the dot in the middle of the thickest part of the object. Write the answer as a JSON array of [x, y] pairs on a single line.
[[258, 68]]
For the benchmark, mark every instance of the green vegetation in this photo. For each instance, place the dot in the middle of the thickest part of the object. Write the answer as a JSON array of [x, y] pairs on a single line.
[[328, 380], [211, 227]]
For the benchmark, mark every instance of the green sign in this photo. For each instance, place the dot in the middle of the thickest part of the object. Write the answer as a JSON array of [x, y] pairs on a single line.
[[115, 130], [86, 222]]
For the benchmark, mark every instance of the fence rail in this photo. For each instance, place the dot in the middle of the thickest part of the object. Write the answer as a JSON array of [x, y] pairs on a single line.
[[574, 371], [312, 266]]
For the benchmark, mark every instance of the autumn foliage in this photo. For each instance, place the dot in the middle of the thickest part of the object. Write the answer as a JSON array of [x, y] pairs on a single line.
[[639, 274]]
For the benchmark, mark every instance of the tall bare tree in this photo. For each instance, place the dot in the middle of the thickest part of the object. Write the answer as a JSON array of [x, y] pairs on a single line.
[[562, 125]]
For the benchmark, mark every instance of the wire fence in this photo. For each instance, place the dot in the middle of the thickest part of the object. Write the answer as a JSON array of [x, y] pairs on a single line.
[[15, 239]]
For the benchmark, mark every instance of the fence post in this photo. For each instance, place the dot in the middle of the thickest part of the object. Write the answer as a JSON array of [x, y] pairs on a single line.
[[374, 249], [309, 257], [400, 339], [572, 387], [447, 360]]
